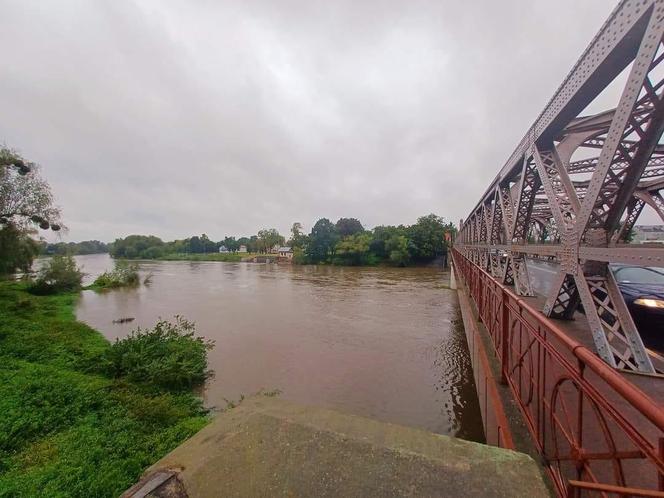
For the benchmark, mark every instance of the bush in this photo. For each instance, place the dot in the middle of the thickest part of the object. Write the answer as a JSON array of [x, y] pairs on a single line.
[[65, 430], [168, 356], [299, 256], [61, 274], [122, 275]]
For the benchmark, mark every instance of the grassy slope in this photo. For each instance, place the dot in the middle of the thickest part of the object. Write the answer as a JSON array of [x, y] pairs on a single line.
[[64, 429], [227, 257]]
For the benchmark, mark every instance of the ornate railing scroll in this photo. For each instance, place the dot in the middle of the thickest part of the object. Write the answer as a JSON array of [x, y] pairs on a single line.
[[597, 433]]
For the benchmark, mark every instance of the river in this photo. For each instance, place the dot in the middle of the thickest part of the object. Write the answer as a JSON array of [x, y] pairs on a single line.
[[379, 342]]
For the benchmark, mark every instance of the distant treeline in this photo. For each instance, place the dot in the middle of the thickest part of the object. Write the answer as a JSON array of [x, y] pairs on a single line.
[[151, 247], [345, 242], [73, 248]]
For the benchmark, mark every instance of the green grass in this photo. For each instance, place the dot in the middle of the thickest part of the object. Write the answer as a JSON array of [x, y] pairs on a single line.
[[65, 428], [231, 257]]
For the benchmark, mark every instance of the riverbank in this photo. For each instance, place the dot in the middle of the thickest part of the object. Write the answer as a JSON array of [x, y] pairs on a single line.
[[238, 257], [228, 257], [66, 429], [224, 257]]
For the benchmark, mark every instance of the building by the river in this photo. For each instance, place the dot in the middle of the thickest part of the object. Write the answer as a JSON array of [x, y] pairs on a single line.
[[648, 233]]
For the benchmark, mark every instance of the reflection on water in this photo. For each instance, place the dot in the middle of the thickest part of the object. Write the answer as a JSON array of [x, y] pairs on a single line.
[[378, 342]]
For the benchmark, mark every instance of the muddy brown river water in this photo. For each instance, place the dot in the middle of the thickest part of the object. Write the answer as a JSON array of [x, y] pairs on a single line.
[[379, 342]]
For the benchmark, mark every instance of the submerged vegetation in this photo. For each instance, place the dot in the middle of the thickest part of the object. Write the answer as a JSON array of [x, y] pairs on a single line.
[[82, 417], [123, 275], [60, 274], [169, 356]]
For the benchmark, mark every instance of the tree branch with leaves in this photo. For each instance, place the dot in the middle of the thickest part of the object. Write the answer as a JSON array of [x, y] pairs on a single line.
[[25, 197]]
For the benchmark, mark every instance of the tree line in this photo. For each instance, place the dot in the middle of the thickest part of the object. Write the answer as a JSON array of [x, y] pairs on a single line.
[[345, 242], [27, 205], [74, 248]]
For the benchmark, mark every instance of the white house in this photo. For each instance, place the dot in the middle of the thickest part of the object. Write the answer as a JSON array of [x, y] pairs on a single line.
[[223, 249], [285, 252], [242, 248], [648, 233]]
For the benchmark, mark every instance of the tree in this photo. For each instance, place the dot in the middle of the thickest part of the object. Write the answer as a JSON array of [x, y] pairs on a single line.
[[230, 243], [353, 249], [297, 239], [12, 159], [322, 240], [61, 274], [397, 248], [136, 246], [195, 245], [427, 237], [17, 250], [84, 247], [26, 201], [208, 245], [244, 241], [269, 238], [175, 247], [252, 246], [381, 234], [349, 226]]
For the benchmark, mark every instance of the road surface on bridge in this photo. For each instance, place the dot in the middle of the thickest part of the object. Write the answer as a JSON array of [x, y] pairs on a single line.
[[543, 276]]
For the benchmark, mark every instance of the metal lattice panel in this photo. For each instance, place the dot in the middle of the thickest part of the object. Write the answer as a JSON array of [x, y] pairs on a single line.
[[578, 213]]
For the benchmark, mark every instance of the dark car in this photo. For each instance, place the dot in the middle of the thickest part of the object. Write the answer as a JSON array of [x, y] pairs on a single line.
[[643, 290]]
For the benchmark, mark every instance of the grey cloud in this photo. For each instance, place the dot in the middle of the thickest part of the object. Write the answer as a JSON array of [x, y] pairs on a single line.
[[175, 118]]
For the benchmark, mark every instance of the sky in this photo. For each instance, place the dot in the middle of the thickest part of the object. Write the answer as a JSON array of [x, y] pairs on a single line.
[[177, 118]]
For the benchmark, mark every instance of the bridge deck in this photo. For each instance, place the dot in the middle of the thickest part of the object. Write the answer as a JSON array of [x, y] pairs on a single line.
[[577, 329]]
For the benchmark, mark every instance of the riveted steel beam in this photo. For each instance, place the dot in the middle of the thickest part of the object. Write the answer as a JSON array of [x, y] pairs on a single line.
[[547, 202]]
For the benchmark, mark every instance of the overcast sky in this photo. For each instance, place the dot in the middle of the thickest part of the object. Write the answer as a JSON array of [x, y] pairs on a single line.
[[175, 118]]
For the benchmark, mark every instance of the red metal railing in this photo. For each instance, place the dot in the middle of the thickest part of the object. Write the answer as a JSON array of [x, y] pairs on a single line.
[[598, 434]]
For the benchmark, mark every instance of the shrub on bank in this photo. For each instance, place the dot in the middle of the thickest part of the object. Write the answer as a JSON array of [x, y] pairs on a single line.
[[60, 274], [66, 430], [228, 257], [168, 356], [123, 275]]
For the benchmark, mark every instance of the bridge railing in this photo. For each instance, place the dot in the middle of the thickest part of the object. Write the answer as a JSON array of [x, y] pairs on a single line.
[[597, 433], [575, 187]]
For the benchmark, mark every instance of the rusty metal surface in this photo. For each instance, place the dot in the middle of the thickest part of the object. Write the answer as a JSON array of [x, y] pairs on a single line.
[[588, 422], [497, 430], [575, 186]]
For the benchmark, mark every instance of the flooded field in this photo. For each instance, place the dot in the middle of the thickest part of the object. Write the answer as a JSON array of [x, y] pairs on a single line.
[[379, 342]]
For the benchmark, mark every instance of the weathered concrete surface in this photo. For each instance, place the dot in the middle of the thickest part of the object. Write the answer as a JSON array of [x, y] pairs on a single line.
[[270, 447]]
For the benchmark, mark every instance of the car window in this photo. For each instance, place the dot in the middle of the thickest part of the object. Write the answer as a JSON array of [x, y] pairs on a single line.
[[636, 275]]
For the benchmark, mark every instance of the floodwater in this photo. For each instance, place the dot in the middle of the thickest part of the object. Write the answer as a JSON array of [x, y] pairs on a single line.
[[379, 342]]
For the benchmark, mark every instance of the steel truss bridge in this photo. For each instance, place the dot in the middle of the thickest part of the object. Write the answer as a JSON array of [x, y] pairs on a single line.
[[571, 193]]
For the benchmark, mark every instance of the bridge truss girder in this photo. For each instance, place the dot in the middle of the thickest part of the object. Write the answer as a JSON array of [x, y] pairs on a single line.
[[579, 213]]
